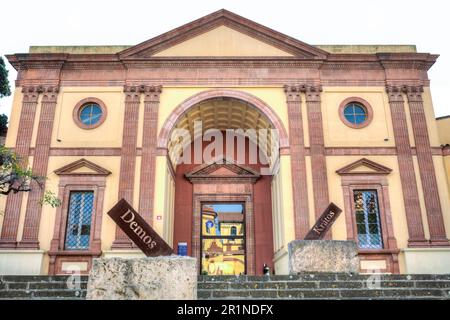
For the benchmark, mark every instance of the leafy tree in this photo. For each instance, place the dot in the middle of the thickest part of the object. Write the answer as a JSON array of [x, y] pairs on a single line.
[[5, 90], [14, 178], [3, 124]]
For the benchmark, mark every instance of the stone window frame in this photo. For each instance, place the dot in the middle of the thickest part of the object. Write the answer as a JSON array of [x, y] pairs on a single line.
[[75, 181], [366, 106], [79, 106], [370, 180]]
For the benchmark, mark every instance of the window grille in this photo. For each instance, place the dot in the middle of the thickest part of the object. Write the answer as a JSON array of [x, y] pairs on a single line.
[[79, 220], [368, 219]]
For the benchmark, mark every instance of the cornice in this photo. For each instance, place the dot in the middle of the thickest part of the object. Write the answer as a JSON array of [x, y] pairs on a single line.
[[416, 61]]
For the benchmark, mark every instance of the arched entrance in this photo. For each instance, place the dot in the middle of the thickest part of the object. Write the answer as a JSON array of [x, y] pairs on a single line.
[[224, 242]]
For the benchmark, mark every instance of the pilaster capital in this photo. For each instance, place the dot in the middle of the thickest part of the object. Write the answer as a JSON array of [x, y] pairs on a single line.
[[132, 92], [312, 93], [414, 93], [395, 93], [293, 93], [152, 93], [30, 94], [50, 93]]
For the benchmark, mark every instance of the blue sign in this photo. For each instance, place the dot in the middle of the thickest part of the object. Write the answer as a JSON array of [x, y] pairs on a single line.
[[209, 224], [182, 248]]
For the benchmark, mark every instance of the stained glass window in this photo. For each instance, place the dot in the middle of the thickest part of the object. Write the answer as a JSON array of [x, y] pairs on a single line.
[[79, 220], [90, 114], [368, 219], [355, 113]]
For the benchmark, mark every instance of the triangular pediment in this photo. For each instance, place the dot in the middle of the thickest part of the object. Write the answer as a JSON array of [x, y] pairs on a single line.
[[363, 166], [82, 167], [222, 34], [222, 168]]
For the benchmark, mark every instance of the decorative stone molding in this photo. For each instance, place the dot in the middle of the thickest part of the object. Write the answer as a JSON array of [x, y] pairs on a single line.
[[255, 102], [230, 173], [367, 107], [426, 166], [40, 163], [312, 93], [128, 154], [395, 93], [70, 169], [149, 152], [213, 20], [79, 106], [224, 180], [71, 178], [152, 93], [373, 178], [414, 93], [8, 237], [317, 149], [374, 168], [298, 163], [406, 167]]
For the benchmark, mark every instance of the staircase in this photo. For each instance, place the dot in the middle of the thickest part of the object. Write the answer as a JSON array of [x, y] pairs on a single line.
[[325, 286], [42, 287], [303, 286]]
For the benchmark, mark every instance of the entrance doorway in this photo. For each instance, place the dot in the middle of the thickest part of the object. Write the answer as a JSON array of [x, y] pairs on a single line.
[[223, 238]]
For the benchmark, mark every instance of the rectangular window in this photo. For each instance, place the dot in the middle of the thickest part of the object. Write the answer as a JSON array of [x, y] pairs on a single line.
[[368, 219], [79, 220]]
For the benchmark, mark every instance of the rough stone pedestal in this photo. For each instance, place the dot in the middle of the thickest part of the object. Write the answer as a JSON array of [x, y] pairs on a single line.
[[151, 278], [323, 256]]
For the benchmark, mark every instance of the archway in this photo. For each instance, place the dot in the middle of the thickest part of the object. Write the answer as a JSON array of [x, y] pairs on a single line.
[[223, 110]]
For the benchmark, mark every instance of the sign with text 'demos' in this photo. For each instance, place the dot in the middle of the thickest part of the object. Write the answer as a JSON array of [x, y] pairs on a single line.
[[139, 231], [324, 222]]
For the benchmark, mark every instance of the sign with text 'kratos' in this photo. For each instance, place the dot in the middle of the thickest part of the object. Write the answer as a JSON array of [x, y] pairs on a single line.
[[139, 231], [324, 222]]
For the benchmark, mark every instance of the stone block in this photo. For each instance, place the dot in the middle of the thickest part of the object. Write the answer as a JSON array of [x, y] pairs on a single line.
[[150, 278], [323, 256]]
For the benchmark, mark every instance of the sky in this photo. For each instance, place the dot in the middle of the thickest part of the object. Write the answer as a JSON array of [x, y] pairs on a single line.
[[112, 22]]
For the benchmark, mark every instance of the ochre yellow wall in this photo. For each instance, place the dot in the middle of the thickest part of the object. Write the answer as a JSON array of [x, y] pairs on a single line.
[[336, 134], [109, 134], [222, 41], [430, 117], [443, 127], [441, 176]]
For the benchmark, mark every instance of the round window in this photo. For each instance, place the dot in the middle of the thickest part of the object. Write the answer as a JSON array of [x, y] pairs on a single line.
[[90, 114], [355, 113]]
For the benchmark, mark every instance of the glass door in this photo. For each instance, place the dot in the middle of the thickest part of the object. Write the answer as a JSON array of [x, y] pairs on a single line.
[[223, 239]]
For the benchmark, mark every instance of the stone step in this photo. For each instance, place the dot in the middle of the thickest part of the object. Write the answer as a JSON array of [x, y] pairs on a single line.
[[327, 277], [324, 293], [302, 286]]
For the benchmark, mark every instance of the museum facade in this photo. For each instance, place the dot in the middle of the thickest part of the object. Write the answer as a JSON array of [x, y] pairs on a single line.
[[230, 139]]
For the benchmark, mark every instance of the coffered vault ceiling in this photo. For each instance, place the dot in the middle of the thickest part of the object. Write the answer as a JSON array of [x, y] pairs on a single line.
[[221, 114]]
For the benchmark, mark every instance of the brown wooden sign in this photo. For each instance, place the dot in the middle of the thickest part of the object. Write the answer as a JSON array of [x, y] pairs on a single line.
[[324, 222], [139, 231]]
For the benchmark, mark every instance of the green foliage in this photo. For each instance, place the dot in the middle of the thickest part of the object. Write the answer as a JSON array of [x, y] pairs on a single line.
[[15, 178], [5, 89], [51, 199], [3, 123]]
